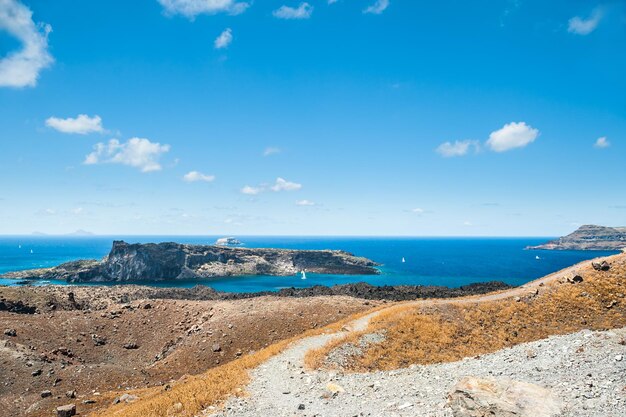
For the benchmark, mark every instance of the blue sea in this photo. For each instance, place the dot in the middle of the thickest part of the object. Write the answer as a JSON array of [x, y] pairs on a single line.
[[428, 261]]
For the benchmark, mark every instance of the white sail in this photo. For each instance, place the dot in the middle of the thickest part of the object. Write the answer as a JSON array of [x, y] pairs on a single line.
[[403, 260], [303, 274]]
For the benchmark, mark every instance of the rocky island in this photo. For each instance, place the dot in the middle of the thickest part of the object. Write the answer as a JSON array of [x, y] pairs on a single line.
[[589, 237], [169, 261]]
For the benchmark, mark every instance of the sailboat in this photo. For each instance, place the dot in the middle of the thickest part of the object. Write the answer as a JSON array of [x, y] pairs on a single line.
[[19, 246], [403, 260], [537, 257], [303, 274], [31, 251]]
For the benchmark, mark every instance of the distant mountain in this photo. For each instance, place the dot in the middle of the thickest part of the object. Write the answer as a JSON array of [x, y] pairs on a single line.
[[589, 237], [78, 232]]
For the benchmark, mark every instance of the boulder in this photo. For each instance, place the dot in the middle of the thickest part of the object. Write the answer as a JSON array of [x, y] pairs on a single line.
[[10, 332], [601, 266], [66, 410], [131, 345], [216, 347], [475, 397], [46, 394]]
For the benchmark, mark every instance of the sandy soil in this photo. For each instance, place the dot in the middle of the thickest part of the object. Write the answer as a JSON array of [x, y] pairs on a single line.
[[116, 345]]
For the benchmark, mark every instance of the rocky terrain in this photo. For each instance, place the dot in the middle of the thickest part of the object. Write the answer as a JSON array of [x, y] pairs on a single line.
[[589, 237], [578, 375], [62, 339], [168, 261], [61, 345]]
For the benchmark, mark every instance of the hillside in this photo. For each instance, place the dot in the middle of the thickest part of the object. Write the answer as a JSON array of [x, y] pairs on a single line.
[[589, 237], [408, 354]]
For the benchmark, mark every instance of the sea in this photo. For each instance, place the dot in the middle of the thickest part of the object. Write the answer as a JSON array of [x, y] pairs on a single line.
[[451, 262]]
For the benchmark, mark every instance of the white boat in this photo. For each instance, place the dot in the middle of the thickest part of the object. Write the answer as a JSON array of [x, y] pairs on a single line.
[[537, 257], [303, 274], [19, 246], [403, 260], [31, 251]]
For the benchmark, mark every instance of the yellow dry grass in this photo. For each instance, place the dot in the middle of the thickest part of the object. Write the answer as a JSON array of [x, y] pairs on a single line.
[[192, 394], [448, 331]]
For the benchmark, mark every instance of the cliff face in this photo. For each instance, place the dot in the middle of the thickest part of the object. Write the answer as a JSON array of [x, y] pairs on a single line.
[[589, 237], [166, 261]]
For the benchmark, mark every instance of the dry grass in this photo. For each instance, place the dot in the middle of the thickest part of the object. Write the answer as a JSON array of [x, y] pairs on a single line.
[[442, 332], [192, 394]]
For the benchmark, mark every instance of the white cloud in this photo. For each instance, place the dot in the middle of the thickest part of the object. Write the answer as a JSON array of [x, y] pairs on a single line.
[[270, 151], [136, 152], [602, 143], [378, 7], [192, 8], [305, 203], [303, 11], [468, 224], [225, 38], [581, 26], [458, 148], [417, 210], [195, 176], [77, 211], [251, 190], [511, 136], [283, 185], [81, 125], [21, 68]]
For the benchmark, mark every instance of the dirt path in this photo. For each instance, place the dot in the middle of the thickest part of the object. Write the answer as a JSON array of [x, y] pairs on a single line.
[[282, 386]]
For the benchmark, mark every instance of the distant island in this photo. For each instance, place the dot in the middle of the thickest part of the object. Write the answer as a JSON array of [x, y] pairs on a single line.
[[171, 261], [589, 237], [77, 233]]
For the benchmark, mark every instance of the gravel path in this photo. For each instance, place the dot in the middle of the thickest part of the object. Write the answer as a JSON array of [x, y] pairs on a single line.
[[587, 370]]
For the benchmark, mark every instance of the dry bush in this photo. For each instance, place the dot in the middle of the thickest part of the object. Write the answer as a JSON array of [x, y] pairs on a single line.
[[433, 332]]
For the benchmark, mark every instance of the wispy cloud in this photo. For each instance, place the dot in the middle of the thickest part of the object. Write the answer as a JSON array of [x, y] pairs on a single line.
[[193, 8], [224, 40], [21, 68], [303, 11], [279, 185], [249, 190], [136, 152], [418, 210], [271, 151], [511, 136], [282, 184], [195, 176], [456, 148], [602, 143], [581, 26], [80, 125], [305, 203], [378, 7]]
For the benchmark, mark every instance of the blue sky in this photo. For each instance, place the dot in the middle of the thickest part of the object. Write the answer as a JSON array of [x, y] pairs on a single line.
[[285, 117]]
